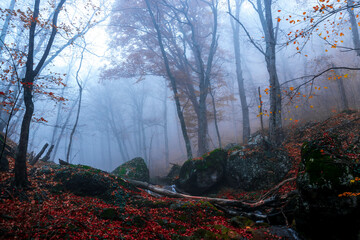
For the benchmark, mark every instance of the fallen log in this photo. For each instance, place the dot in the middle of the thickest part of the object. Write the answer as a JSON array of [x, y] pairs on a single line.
[[240, 205]]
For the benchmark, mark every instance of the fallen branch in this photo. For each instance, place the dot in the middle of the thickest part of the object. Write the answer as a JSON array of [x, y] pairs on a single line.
[[47, 156], [219, 201], [274, 189], [33, 161]]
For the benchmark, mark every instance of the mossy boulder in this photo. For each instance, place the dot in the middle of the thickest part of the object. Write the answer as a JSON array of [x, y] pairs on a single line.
[[200, 175], [254, 169], [326, 172], [135, 169], [86, 181]]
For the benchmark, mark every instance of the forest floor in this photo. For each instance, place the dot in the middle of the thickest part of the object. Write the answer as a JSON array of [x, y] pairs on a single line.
[[48, 210]]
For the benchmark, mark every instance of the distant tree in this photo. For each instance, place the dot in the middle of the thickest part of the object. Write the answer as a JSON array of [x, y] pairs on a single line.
[[239, 73], [81, 88]]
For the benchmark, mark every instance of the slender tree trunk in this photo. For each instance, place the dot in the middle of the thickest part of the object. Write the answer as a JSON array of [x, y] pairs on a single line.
[[261, 112], [143, 138], [239, 72], [203, 144], [215, 119], [275, 121], [75, 125], [173, 83], [342, 92], [59, 105], [119, 137], [166, 138], [4, 116], [109, 147], [61, 134], [79, 106]]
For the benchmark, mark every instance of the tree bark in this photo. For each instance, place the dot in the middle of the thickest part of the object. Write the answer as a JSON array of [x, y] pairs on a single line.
[[275, 121], [172, 81]]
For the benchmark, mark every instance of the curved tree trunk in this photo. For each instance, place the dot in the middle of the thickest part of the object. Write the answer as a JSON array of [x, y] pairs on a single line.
[[79, 106]]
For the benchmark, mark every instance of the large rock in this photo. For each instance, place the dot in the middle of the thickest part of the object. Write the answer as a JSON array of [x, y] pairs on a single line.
[[199, 175], [135, 169], [254, 169], [326, 172], [85, 181]]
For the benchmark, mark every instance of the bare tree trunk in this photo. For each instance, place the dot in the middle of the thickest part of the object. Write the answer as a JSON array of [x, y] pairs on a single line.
[[263, 9], [239, 72], [166, 138], [58, 115], [118, 135], [21, 179], [79, 106], [173, 83], [61, 134], [203, 144], [342, 93], [215, 119], [37, 157], [275, 121], [109, 147], [261, 112]]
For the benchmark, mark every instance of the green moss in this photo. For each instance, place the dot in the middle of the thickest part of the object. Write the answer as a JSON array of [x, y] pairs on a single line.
[[210, 209], [321, 167], [241, 222], [134, 169], [212, 159]]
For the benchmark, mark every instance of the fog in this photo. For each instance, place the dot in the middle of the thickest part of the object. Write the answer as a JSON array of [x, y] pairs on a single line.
[[128, 106]]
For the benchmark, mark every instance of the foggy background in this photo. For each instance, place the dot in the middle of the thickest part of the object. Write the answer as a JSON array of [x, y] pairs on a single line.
[[132, 114]]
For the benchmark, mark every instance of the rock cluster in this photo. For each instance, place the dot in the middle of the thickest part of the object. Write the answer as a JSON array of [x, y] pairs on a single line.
[[328, 186], [246, 169]]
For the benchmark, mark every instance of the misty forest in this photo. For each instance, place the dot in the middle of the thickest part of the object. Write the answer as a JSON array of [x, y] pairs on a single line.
[[180, 119]]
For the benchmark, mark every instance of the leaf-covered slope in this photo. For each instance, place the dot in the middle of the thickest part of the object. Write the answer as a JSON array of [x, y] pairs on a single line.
[[79, 202]]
